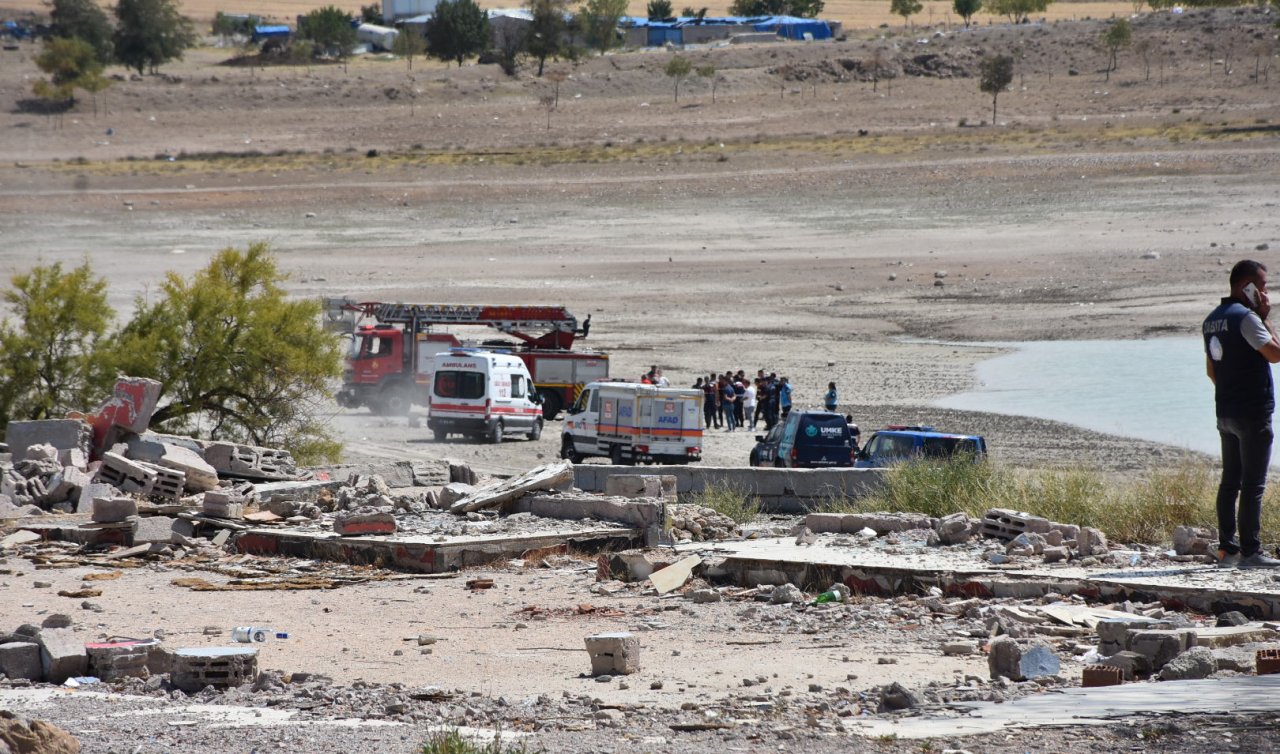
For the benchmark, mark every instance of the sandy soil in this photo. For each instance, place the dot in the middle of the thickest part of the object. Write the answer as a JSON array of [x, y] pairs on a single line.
[[761, 230]]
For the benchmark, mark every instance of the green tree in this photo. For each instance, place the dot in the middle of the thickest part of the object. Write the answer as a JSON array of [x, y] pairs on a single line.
[[71, 64], [457, 30], [678, 68], [966, 9], [50, 362], [1017, 11], [708, 72], [658, 10], [995, 74], [86, 20], [801, 8], [371, 14], [905, 8], [150, 33], [239, 360], [227, 26], [329, 28], [409, 44], [598, 20], [1117, 36], [546, 32]]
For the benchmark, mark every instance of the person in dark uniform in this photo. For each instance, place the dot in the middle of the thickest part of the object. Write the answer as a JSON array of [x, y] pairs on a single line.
[[1240, 347]]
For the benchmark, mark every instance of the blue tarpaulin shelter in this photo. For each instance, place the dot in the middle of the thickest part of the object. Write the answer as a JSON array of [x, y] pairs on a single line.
[[270, 32]]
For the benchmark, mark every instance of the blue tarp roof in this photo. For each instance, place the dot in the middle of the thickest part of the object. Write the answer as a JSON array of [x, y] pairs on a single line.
[[791, 27], [271, 31]]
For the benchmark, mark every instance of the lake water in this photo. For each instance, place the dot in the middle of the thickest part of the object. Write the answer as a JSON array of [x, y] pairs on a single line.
[[1150, 389]]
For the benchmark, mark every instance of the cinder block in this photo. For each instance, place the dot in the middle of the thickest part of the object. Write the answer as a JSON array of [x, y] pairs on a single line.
[[111, 661], [21, 660], [114, 509], [1101, 675], [198, 475], [125, 475], [1007, 524], [168, 483], [62, 655], [614, 653], [220, 667], [222, 505], [62, 434]]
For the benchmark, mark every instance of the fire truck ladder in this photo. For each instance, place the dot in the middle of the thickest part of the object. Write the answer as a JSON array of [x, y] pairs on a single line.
[[557, 325]]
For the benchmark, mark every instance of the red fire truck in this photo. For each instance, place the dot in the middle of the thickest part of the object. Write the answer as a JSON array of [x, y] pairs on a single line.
[[389, 367]]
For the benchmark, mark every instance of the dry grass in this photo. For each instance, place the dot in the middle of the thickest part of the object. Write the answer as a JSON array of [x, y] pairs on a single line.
[[1013, 141], [1142, 510]]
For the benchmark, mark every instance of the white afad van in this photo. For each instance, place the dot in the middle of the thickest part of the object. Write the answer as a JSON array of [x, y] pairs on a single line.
[[630, 423], [484, 394]]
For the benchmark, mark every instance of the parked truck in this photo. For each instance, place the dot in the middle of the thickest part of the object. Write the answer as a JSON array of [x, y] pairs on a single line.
[[631, 423], [390, 365]]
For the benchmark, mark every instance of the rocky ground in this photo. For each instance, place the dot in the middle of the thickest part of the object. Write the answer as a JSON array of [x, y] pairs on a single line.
[[764, 229]]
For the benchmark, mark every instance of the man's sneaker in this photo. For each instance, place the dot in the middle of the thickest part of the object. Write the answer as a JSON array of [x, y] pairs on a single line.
[[1228, 559], [1258, 560]]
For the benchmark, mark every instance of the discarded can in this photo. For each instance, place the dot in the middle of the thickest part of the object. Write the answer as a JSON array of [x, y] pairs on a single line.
[[250, 634]]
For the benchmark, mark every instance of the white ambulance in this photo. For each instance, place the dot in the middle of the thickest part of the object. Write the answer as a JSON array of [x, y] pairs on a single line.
[[484, 394], [632, 423]]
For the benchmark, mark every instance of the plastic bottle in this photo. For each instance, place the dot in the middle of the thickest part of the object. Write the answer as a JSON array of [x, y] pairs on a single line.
[[251, 634]]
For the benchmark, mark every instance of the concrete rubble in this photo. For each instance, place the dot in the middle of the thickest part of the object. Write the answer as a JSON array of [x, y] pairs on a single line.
[[1033, 618]]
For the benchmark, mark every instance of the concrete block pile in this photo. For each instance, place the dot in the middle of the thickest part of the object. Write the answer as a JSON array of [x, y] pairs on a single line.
[[96, 463]]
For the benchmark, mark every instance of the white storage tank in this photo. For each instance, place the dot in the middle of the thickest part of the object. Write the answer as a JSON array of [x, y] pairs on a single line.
[[379, 37]]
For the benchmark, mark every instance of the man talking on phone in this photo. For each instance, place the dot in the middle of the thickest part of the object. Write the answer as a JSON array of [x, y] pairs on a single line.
[[1240, 347]]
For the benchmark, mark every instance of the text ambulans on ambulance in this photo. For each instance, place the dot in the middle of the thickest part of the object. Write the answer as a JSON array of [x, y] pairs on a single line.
[[633, 423], [485, 394]]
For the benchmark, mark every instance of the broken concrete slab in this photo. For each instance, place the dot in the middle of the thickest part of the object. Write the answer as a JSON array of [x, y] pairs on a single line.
[[252, 462], [1108, 705], [84, 503], [114, 509], [641, 485], [62, 655], [637, 512], [222, 504], [675, 575], [427, 553], [62, 434], [365, 520], [1021, 660], [17, 538], [452, 493], [21, 660], [552, 476], [133, 400], [1227, 636], [1197, 662]]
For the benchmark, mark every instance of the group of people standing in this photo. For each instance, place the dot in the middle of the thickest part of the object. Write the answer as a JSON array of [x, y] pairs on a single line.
[[732, 400]]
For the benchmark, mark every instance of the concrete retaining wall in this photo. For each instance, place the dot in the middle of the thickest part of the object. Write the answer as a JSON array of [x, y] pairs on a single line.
[[778, 490]]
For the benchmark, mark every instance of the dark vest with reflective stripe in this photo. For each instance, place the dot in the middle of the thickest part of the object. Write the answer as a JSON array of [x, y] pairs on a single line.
[[1243, 377]]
